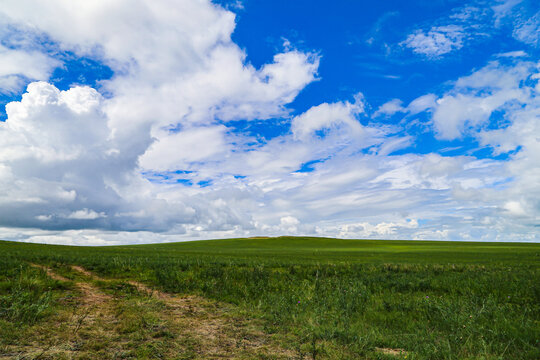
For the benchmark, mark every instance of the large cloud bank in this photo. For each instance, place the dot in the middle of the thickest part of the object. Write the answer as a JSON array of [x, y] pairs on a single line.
[[151, 154]]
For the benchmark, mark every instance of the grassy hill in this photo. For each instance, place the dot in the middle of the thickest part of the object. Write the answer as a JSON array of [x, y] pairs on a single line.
[[309, 297]]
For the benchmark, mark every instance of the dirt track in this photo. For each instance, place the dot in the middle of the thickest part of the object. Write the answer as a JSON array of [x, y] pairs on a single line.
[[103, 319]]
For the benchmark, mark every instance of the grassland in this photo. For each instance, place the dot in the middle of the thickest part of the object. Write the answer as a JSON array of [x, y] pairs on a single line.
[[300, 298]]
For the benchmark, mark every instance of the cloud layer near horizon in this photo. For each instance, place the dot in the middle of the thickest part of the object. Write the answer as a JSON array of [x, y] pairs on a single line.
[[152, 154]]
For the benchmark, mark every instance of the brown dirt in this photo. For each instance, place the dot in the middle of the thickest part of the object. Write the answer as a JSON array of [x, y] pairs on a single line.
[[85, 272], [50, 273], [393, 352]]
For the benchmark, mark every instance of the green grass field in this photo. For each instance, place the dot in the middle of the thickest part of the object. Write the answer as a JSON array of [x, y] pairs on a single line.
[[306, 298]]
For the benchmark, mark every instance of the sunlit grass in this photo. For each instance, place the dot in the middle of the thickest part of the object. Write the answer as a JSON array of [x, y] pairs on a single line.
[[336, 299]]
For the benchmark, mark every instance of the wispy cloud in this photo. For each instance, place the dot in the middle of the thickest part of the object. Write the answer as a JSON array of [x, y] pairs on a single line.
[[437, 41], [473, 23], [512, 54], [528, 31]]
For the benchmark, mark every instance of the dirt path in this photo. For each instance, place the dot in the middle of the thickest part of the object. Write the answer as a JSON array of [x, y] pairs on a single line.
[[87, 316], [50, 273], [111, 319], [216, 334], [92, 296], [392, 352]]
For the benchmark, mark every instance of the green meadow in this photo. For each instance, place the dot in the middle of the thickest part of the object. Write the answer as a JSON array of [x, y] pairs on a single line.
[[305, 298]]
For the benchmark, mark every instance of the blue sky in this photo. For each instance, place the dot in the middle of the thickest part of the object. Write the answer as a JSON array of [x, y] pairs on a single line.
[[360, 47], [172, 120]]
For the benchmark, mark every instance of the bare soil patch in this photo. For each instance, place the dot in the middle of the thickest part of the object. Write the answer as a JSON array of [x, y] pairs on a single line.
[[50, 273], [392, 352]]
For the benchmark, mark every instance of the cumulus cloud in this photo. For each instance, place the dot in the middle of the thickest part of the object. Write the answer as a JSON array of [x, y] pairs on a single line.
[[74, 159], [60, 163], [177, 64]]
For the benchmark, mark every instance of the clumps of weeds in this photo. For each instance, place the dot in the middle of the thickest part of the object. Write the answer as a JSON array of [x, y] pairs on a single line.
[[28, 298]]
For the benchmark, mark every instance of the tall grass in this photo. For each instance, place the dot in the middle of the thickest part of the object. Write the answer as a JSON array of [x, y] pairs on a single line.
[[433, 311], [25, 293], [436, 303]]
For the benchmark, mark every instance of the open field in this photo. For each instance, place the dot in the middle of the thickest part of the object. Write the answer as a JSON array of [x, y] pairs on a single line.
[[277, 298]]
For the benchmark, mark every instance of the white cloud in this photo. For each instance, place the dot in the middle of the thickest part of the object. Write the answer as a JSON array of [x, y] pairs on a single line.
[[289, 224], [515, 208], [513, 54], [85, 214], [390, 108], [177, 150], [59, 159], [469, 105], [528, 31], [327, 116], [10, 84], [422, 103], [272, 198], [177, 64], [503, 9], [464, 26], [512, 92], [470, 24], [176, 73], [437, 41], [44, 217], [88, 169], [17, 66], [522, 16], [51, 125]]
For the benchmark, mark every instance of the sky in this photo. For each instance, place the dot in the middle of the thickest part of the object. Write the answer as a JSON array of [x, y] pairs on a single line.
[[139, 121]]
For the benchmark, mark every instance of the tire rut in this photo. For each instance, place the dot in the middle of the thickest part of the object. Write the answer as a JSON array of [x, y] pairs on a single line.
[[219, 335], [96, 324], [92, 319]]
